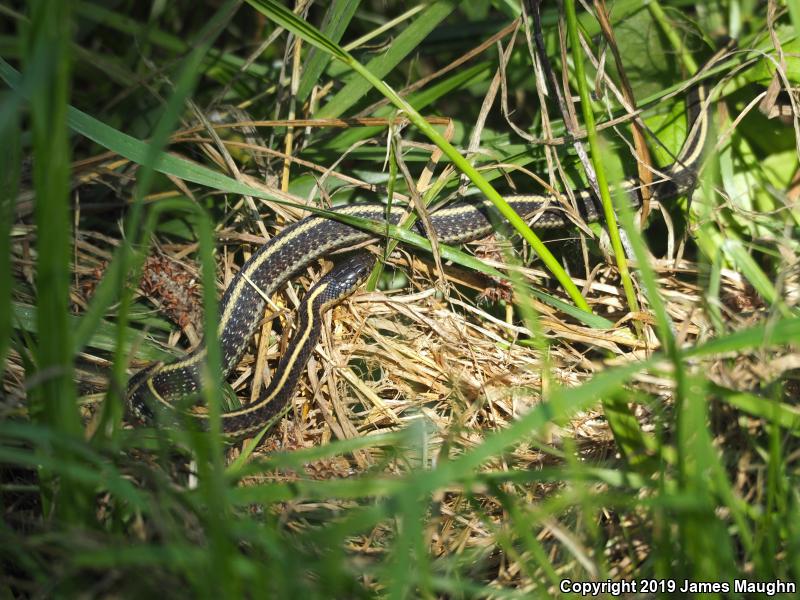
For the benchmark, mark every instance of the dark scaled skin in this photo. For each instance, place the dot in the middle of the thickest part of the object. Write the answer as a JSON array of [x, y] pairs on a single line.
[[339, 283]]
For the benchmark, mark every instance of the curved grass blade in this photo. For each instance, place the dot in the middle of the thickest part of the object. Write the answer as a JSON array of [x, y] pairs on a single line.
[[290, 21], [136, 150]]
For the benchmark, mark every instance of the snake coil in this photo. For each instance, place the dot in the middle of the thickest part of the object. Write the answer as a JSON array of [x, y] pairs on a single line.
[[161, 385]]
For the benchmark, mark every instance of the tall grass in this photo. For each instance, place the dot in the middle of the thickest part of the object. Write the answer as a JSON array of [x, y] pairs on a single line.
[[698, 479]]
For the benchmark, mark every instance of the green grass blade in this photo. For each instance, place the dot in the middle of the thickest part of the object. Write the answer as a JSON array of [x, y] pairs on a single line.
[[596, 156], [141, 32], [781, 414], [299, 27], [137, 151], [337, 18], [47, 67], [405, 43], [10, 162], [104, 336]]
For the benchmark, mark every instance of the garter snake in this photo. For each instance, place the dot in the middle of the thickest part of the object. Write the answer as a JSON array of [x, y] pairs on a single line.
[[161, 385]]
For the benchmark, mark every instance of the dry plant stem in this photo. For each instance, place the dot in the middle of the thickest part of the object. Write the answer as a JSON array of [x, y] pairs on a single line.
[[289, 140], [550, 155], [466, 57], [253, 58], [385, 27], [332, 122], [488, 100], [567, 112], [571, 116], [420, 207], [643, 154], [260, 368], [421, 203], [333, 356], [504, 58], [277, 12], [602, 183], [327, 171], [229, 162]]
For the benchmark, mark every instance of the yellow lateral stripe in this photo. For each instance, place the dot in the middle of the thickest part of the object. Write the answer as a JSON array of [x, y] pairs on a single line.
[[297, 346]]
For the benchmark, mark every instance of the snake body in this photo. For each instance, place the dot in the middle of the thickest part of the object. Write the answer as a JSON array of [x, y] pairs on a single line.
[[314, 237]]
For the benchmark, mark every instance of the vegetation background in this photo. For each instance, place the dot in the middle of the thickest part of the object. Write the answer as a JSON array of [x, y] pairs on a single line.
[[612, 421]]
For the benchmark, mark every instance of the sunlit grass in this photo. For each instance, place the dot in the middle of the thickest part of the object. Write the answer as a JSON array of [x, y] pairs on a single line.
[[475, 492]]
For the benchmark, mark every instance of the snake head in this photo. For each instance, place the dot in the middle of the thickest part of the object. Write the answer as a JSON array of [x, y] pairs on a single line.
[[350, 273]]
